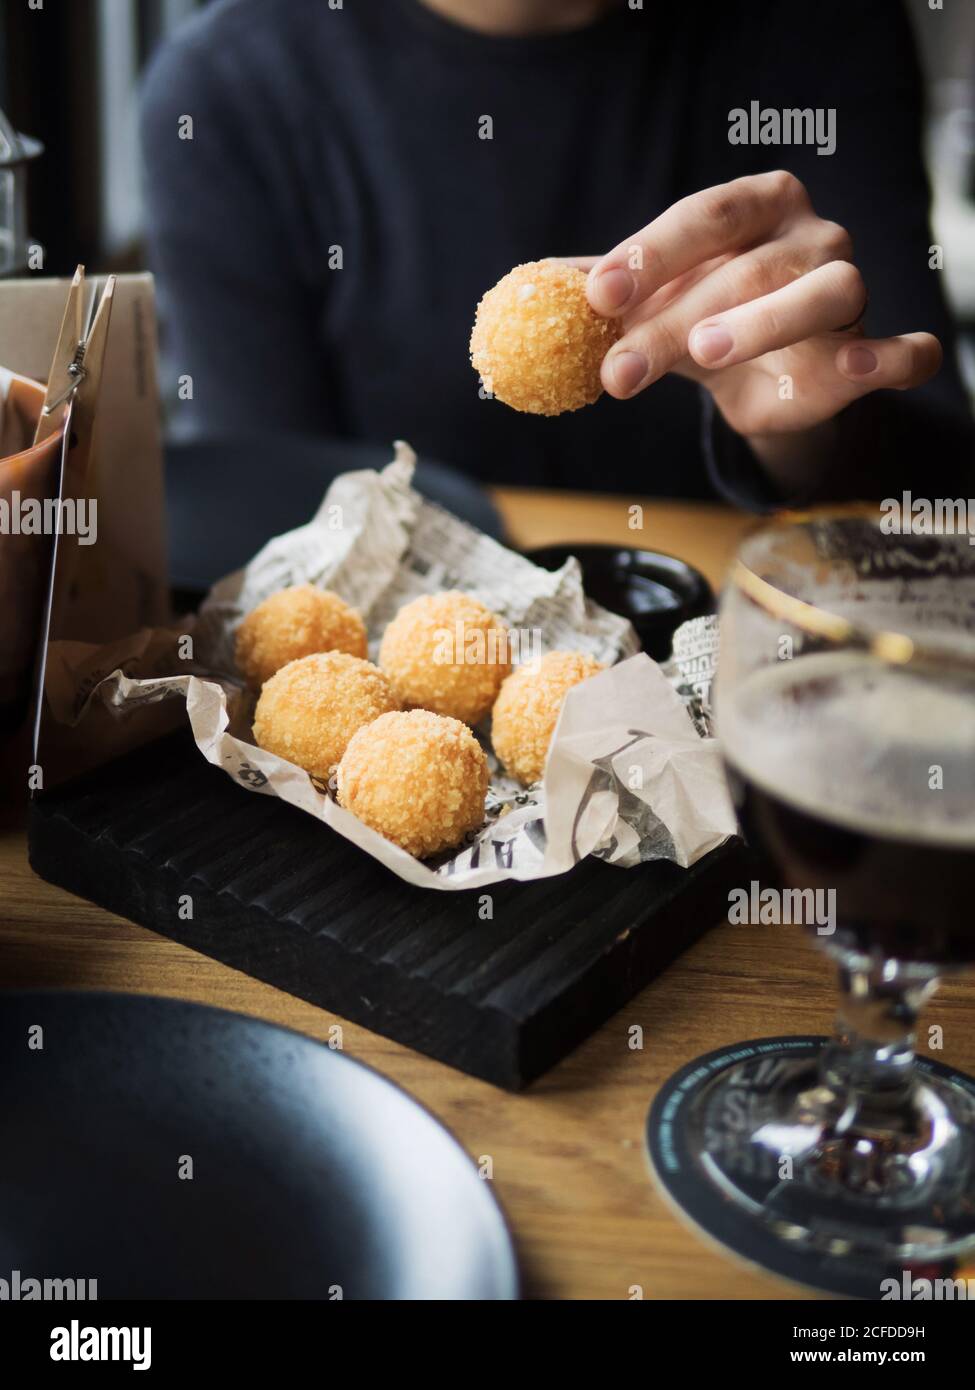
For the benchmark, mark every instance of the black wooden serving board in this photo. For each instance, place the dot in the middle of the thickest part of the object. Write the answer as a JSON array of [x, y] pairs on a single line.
[[279, 895]]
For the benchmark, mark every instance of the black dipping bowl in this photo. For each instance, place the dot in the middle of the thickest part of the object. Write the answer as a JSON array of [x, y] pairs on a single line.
[[656, 592]]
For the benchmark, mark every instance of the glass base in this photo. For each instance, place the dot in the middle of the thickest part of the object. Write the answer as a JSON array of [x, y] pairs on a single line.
[[767, 1155]]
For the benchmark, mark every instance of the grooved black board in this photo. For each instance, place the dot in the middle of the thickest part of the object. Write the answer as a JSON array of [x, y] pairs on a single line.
[[282, 897]]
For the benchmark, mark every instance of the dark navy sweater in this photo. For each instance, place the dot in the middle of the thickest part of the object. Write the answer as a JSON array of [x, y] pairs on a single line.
[[322, 240]]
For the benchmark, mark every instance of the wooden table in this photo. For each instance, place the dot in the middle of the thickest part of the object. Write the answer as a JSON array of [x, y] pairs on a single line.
[[568, 1157]]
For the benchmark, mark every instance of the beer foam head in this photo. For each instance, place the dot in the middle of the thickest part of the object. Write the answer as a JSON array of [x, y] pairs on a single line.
[[884, 749]]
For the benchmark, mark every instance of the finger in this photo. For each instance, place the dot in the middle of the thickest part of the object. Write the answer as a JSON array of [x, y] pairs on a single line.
[[656, 336], [816, 303], [749, 274], [730, 216], [674, 289], [894, 364]]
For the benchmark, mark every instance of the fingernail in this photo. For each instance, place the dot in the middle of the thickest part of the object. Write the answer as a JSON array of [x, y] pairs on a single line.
[[860, 361], [611, 289], [629, 369], [711, 343]]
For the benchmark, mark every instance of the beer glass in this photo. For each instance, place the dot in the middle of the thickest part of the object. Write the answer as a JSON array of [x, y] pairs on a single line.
[[845, 708]]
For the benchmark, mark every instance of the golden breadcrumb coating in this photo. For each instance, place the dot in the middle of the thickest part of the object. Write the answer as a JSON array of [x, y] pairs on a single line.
[[418, 778], [527, 710], [296, 622], [309, 710], [446, 653], [537, 344]]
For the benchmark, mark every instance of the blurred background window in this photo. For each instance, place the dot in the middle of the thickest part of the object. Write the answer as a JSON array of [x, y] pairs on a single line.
[[948, 56], [69, 76]]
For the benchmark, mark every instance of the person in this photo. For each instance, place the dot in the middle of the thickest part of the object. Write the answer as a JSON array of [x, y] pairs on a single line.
[[332, 186]]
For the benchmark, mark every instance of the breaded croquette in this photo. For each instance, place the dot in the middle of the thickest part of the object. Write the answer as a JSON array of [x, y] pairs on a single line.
[[537, 344], [309, 710], [447, 653], [527, 710], [292, 623], [417, 778]]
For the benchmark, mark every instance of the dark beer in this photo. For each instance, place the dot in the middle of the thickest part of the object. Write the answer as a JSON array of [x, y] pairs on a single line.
[[853, 775]]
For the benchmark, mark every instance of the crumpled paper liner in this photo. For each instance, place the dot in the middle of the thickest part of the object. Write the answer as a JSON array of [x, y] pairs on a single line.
[[629, 778]]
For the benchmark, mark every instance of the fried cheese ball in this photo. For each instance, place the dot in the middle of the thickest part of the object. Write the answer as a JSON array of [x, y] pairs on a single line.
[[527, 710], [292, 623], [537, 344], [446, 653], [309, 710], [418, 778]]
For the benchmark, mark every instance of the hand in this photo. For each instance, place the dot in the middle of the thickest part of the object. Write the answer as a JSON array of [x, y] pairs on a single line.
[[739, 287]]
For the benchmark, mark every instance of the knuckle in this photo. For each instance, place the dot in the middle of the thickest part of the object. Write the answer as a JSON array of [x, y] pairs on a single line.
[[847, 283], [836, 242], [752, 279], [725, 208], [785, 186], [769, 325], [662, 345]]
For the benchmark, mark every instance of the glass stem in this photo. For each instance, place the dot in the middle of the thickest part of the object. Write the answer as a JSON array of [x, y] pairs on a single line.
[[869, 1064]]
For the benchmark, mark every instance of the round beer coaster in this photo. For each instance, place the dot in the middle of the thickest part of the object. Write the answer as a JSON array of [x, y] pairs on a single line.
[[695, 1132]]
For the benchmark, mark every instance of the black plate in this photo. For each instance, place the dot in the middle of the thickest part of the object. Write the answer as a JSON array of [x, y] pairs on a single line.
[[657, 592], [310, 1172]]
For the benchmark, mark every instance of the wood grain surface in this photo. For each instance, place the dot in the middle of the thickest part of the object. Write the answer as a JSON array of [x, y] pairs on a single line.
[[567, 1155]]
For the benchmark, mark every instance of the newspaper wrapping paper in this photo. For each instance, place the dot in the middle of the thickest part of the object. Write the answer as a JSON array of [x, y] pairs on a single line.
[[629, 778], [692, 667]]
